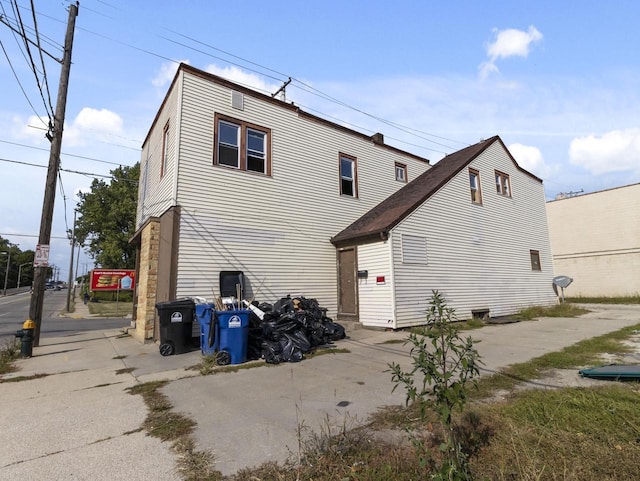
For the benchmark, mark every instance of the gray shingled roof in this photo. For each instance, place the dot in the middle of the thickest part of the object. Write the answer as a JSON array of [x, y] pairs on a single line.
[[376, 223]]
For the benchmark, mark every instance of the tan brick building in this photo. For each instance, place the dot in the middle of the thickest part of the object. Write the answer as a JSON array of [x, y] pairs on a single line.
[[595, 239]]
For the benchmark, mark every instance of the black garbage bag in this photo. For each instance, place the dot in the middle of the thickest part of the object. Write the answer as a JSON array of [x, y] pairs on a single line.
[[334, 331], [290, 352], [254, 343], [287, 323], [283, 305], [300, 341], [272, 352]]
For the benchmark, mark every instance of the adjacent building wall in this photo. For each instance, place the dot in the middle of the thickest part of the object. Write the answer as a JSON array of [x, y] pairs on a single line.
[[596, 241]]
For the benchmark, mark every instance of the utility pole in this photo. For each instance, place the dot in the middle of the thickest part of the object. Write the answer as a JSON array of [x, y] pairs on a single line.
[[73, 243], [40, 271]]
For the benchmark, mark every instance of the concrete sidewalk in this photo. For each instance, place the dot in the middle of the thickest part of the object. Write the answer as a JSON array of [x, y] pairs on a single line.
[[79, 422]]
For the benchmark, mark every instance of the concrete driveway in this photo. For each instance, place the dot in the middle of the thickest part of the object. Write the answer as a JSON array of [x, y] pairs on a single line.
[[254, 415]]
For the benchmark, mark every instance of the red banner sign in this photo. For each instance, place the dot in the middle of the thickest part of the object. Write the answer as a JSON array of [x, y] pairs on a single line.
[[113, 279]]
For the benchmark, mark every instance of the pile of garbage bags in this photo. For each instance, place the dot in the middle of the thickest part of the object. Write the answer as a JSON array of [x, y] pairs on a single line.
[[289, 329]]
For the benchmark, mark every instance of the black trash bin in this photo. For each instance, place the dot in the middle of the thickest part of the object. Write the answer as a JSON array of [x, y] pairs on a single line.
[[176, 324]]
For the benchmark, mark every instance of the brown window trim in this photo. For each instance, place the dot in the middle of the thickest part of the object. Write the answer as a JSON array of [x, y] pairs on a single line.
[[355, 173], [479, 189], [399, 165], [243, 143], [163, 159], [508, 179]]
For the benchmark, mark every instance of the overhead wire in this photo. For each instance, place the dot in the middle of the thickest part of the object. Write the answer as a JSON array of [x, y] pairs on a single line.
[[89, 174], [30, 61], [44, 68]]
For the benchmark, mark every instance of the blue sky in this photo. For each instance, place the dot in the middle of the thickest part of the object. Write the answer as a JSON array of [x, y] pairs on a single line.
[[558, 81]]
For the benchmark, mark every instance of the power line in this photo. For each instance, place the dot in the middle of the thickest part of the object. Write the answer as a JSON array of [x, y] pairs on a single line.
[[30, 61], [29, 164], [65, 154], [44, 69]]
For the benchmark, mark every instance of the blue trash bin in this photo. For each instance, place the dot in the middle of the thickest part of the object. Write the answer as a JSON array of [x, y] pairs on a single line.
[[231, 335], [204, 314]]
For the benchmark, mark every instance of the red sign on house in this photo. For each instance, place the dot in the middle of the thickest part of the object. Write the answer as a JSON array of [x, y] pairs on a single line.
[[113, 279]]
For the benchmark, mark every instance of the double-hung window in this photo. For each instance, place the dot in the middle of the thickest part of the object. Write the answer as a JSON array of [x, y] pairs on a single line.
[[535, 260], [503, 185], [242, 146], [165, 150], [474, 184], [401, 172], [348, 176]]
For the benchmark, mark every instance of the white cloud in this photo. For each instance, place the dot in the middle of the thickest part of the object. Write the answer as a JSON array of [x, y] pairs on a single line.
[[508, 43], [242, 77], [615, 151], [99, 123], [530, 158], [102, 120], [166, 73]]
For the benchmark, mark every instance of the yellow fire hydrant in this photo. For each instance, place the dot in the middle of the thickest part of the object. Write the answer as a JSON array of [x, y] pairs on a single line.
[[26, 338]]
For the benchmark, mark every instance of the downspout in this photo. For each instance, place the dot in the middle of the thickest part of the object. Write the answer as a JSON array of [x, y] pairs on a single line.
[[389, 238]]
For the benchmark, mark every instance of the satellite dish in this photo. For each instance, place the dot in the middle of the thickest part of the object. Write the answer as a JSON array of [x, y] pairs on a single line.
[[561, 282]]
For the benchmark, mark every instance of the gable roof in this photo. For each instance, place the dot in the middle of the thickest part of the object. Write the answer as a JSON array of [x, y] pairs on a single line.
[[376, 224]]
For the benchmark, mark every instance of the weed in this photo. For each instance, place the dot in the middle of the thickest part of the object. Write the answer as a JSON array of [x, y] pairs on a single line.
[[559, 310], [167, 425], [9, 352], [125, 370], [606, 300], [118, 357], [24, 378], [445, 370]]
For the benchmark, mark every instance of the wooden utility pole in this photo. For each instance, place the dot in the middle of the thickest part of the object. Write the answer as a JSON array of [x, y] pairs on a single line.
[[73, 243], [55, 136]]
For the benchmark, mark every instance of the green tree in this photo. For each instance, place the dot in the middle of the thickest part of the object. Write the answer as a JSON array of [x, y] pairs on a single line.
[[107, 217]]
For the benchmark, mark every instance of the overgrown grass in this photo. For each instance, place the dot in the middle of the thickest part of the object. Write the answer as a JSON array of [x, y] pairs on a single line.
[[564, 309], [9, 352], [569, 434], [606, 300], [110, 308], [163, 423], [578, 355]]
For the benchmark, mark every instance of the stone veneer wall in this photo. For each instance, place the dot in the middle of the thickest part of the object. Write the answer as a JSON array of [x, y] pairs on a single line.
[[147, 282]]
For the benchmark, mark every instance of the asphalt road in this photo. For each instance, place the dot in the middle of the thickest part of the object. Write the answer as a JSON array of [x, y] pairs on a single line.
[[14, 310]]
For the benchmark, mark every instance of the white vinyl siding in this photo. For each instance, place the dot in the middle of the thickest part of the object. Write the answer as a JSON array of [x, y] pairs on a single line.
[[375, 298], [478, 258], [276, 229], [156, 192], [414, 249]]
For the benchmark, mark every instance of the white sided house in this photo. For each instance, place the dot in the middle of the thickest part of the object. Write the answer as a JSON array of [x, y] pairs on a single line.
[[235, 180], [472, 227]]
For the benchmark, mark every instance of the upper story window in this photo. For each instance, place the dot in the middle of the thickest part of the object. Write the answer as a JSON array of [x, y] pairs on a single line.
[[401, 172], [503, 185], [474, 184], [241, 145], [348, 175], [165, 150], [535, 260]]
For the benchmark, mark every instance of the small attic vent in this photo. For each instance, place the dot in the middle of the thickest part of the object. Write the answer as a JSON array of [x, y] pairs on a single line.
[[237, 100]]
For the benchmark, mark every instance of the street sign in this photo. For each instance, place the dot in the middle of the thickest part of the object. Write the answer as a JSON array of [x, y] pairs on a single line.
[[42, 256]]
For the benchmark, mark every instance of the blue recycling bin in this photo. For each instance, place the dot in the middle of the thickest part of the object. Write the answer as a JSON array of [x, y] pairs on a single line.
[[223, 333], [233, 335], [204, 314]]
